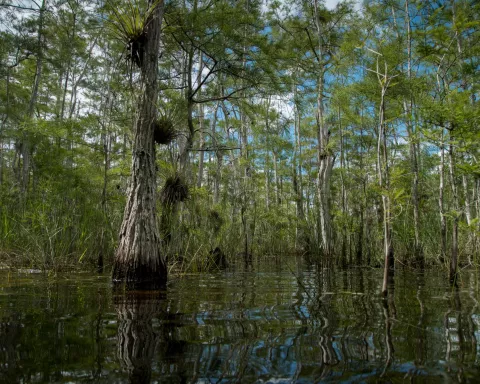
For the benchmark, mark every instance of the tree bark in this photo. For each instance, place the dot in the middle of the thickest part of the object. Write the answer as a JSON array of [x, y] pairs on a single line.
[[441, 205], [201, 111], [297, 158], [325, 157], [465, 86], [456, 207], [345, 237], [106, 143], [4, 122], [300, 242], [275, 178], [138, 261], [219, 156], [384, 183]]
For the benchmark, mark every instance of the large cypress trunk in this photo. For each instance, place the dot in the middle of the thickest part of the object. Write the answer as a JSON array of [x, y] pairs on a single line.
[[138, 261]]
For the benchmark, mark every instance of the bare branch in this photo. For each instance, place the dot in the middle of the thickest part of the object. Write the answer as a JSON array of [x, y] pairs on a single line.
[[19, 7], [220, 98]]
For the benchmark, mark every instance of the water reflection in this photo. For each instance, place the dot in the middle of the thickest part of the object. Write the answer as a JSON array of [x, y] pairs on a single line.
[[389, 313], [295, 324], [137, 340], [454, 355], [10, 331]]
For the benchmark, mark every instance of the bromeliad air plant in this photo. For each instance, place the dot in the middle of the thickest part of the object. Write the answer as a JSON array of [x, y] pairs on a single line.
[[175, 190], [129, 24]]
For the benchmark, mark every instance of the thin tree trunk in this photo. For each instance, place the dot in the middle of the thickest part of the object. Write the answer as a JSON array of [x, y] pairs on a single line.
[[200, 123], [343, 190], [383, 175], [468, 214], [218, 154], [69, 67], [325, 157], [106, 141], [468, 200], [73, 96], [441, 204], [408, 109], [298, 152], [106, 167], [267, 184], [4, 122], [362, 201], [138, 261], [297, 176], [201, 153], [26, 146], [185, 151], [456, 207], [189, 93], [465, 86], [267, 149], [275, 177]]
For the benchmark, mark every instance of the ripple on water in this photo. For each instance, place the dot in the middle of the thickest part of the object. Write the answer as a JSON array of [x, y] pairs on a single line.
[[262, 327]]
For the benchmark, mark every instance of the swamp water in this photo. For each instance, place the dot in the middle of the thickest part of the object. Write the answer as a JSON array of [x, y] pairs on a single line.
[[261, 326]]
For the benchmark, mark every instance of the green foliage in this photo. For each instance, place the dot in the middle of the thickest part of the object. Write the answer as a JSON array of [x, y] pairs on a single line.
[[253, 110]]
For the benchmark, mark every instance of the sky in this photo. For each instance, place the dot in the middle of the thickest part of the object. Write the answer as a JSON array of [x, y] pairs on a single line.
[[331, 4]]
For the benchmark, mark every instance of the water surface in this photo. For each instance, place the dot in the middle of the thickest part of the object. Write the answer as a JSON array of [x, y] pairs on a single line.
[[270, 325]]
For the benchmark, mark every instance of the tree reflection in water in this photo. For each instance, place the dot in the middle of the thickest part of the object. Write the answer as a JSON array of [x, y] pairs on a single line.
[[137, 339], [312, 326], [454, 334]]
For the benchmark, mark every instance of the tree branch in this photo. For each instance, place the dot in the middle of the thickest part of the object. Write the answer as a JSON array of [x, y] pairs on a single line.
[[220, 98]]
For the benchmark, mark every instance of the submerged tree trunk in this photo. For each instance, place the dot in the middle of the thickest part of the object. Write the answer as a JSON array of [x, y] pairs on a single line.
[[138, 261]]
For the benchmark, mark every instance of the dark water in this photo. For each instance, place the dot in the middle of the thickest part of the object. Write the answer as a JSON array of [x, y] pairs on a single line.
[[245, 327]]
